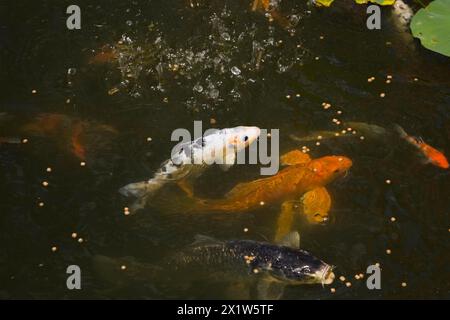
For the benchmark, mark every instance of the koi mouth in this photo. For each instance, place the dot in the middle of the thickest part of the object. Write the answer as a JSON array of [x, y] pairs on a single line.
[[327, 276]]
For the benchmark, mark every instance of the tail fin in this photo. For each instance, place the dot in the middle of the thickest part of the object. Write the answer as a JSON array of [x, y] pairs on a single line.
[[401, 132], [142, 191]]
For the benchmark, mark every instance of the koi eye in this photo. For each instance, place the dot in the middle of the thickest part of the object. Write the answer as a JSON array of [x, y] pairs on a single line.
[[245, 138]]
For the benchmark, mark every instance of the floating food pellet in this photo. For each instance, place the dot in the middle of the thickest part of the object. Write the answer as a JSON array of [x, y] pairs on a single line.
[[245, 229], [82, 163], [357, 276], [212, 121], [388, 81], [262, 203], [393, 219], [149, 139], [25, 140], [348, 284], [382, 95], [404, 284], [337, 134], [416, 79], [321, 37], [319, 137], [269, 135], [335, 120], [126, 211], [68, 101], [123, 267], [74, 235], [354, 132], [339, 112], [342, 278], [332, 290], [361, 275], [338, 122], [34, 91], [388, 251], [343, 131], [255, 270], [317, 143], [298, 95], [389, 76], [54, 249], [80, 240], [349, 129], [45, 183], [317, 58], [362, 138], [49, 169], [288, 96], [388, 181], [166, 100], [377, 264], [40, 204]]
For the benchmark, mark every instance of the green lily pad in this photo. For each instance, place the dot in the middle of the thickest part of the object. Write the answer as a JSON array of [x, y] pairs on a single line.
[[432, 26]]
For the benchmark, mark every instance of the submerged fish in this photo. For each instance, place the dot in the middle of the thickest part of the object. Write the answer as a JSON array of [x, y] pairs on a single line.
[[370, 131], [271, 8], [81, 137], [191, 161], [269, 266], [430, 154]]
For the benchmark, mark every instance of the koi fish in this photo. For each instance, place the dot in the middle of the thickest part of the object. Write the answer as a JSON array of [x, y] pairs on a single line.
[[73, 133], [270, 7], [191, 161], [270, 266], [302, 175], [430, 154], [106, 55]]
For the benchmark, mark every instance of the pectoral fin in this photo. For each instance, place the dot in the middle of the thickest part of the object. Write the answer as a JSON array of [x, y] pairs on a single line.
[[315, 205], [269, 289], [229, 161], [285, 221]]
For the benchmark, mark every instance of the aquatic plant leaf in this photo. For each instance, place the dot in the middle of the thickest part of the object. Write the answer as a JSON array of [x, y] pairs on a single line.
[[323, 3], [380, 2], [327, 3], [432, 26]]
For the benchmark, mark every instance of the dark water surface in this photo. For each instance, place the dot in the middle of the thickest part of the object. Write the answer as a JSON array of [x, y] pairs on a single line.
[[177, 61]]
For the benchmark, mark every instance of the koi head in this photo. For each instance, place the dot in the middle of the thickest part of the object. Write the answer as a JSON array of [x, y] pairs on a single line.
[[298, 266], [241, 137], [331, 167]]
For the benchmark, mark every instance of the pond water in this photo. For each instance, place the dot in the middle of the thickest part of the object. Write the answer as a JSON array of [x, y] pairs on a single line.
[[94, 122]]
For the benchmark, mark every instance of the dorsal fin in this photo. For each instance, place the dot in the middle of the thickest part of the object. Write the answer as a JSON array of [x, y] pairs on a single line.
[[294, 157], [202, 240]]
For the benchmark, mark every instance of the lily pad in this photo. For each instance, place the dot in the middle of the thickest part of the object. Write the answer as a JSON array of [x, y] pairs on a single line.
[[327, 3], [432, 26]]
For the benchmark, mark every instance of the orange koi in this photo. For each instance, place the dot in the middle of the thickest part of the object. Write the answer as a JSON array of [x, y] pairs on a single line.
[[287, 185], [106, 55], [430, 154]]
